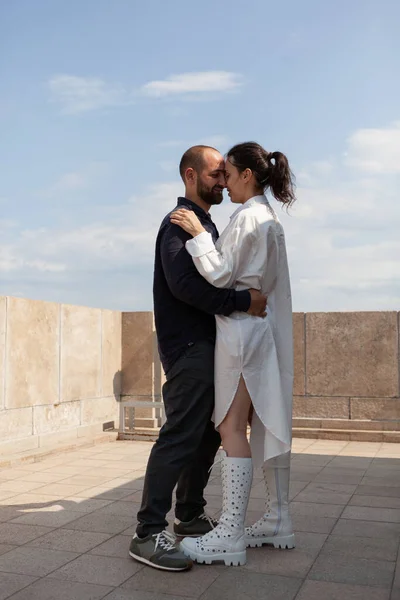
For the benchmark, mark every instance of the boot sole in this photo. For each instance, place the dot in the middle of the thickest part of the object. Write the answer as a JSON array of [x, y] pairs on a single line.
[[284, 543], [160, 567], [234, 559]]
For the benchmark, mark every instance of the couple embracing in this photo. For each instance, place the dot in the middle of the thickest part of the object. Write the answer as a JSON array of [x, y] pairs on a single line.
[[228, 360]]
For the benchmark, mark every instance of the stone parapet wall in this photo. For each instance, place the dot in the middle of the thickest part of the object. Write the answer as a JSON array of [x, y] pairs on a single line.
[[347, 366], [64, 369], [59, 372]]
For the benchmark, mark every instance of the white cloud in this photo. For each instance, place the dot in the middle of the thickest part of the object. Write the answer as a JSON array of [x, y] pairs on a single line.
[[76, 180], [193, 83], [82, 94], [375, 150], [77, 95], [342, 239]]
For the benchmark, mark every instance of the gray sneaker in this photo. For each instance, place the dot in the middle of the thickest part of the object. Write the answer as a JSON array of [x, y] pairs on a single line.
[[196, 527], [159, 551]]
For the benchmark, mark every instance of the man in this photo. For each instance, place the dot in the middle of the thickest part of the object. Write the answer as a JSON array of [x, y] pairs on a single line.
[[184, 307]]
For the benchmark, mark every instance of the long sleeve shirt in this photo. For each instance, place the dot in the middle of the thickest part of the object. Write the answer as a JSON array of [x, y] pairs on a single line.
[[184, 302]]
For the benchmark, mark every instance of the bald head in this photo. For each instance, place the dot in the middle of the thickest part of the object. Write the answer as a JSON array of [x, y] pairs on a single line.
[[202, 169], [195, 158]]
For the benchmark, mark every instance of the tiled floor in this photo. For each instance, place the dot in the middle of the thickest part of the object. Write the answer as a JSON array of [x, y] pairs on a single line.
[[66, 522]]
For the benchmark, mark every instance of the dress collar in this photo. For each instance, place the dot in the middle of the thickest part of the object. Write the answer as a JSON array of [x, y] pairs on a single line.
[[261, 199]]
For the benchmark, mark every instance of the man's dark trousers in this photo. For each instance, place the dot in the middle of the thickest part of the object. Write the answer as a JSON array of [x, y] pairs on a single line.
[[187, 444]]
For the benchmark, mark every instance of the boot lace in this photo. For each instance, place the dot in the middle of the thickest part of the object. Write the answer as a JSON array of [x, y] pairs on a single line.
[[165, 540]]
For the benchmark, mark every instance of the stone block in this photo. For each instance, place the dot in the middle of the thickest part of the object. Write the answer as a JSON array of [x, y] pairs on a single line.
[[15, 424], [99, 410], [56, 417], [138, 352], [55, 439], [352, 354], [321, 407], [32, 353], [80, 353], [3, 315], [18, 446], [111, 352], [299, 354], [375, 408]]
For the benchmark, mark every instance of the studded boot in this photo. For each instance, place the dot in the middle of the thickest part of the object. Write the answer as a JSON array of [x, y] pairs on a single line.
[[226, 542], [275, 526]]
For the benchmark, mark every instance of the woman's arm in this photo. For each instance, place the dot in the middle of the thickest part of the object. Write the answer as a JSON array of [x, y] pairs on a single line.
[[220, 268]]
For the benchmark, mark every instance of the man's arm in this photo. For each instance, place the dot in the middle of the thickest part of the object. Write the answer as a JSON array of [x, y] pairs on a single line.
[[188, 285]]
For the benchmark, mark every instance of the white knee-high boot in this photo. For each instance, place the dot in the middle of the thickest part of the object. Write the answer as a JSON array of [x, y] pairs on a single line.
[[275, 527], [227, 541]]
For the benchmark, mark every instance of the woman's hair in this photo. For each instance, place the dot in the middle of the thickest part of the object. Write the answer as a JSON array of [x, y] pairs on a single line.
[[271, 169]]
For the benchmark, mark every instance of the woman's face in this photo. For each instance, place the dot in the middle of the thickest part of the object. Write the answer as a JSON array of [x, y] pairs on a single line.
[[235, 183]]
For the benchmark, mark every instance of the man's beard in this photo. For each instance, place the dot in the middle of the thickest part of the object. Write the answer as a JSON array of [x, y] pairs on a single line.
[[210, 196]]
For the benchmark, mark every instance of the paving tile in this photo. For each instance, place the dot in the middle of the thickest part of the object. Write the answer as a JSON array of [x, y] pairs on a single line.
[[7, 513], [388, 515], [315, 509], [322, 590], [313, 524], [31, 500], [312, 460], [62, 489], [52, 589], [39, 562], [17, 535], [331, 487], [289, 563], [334, 476], [191, 583], [70, 541], [101, 523], [101, 493], [323, 497], [120, 594], [237, 584], [18, 486], [83, 505], [86, 481], [117, 546], [67, 471], [362, 547], [4, 495], [9, 474], [382, 490], [47, 519], [350, 569], [372, 529], [10, 583], [387, 480], [375, 501], [101, 570], [125, 509], [358, 462], [42, 477], [4, 548]]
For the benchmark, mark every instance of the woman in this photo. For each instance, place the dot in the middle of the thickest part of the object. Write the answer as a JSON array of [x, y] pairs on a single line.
[[253, 356]]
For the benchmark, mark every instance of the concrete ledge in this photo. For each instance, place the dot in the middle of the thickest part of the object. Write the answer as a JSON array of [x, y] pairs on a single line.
[[37, 454]]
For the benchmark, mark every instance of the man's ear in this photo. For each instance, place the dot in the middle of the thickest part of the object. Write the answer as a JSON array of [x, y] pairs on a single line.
[[190, 175]]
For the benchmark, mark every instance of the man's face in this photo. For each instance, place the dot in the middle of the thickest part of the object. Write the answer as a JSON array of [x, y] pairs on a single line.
[[211, 180]]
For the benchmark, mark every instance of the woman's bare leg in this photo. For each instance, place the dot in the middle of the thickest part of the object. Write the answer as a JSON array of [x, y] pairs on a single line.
[[233, 429]]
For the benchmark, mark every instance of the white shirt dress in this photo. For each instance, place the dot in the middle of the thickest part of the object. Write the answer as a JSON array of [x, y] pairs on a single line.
[[251, 253]]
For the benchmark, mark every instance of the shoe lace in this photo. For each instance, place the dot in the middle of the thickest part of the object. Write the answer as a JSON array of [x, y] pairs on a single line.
[[210, 521], [165, 540]]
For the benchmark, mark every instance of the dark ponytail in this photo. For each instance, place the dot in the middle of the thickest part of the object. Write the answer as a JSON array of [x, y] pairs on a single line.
[[271, 170]]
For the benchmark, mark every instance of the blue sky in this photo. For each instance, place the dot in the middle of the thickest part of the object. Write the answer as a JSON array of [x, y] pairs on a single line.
[[99, 99]]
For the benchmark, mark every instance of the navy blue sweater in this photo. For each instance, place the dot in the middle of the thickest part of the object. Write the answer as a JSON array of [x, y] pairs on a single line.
[[184, 302]]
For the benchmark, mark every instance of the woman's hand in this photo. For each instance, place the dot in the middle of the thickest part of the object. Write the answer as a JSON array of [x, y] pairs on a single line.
[[187, 220]]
